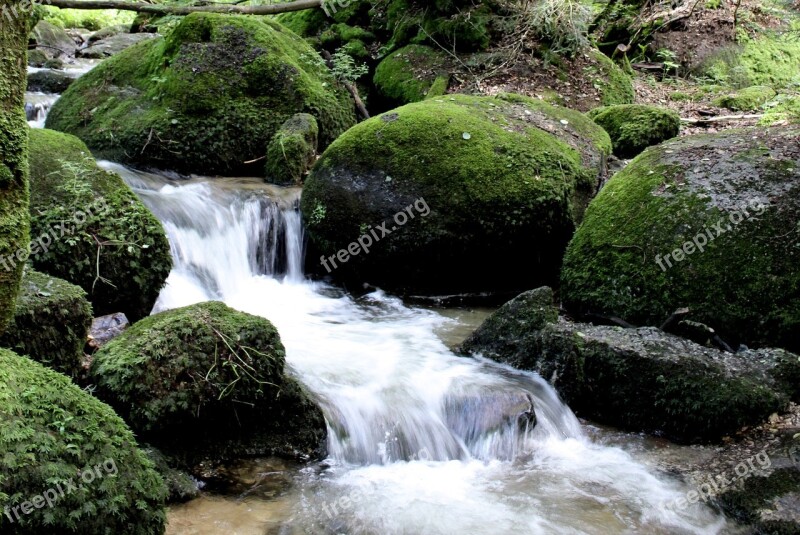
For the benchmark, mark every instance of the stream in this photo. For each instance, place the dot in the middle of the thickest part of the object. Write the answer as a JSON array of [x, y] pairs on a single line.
[[421, 440]]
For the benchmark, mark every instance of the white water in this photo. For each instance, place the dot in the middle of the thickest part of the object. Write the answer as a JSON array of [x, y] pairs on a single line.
[[421, 441]]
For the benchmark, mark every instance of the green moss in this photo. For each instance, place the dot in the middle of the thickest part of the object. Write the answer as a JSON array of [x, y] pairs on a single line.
[[51, 323], [205, 99], [495, 176], [748, 99], [634, 127], [293, 150], [785, 109], [614, 84], [409, 74], [14, 218], [126, 270], [207, 380], [744, 283], [52, 435], [768, 61]]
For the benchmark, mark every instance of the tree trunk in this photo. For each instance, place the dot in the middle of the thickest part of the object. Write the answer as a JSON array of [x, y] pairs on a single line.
[[14, 216], [166, 9]]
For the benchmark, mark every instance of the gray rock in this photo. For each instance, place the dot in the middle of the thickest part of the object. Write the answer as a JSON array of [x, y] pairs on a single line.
[[113, 45], [106, 328], [53, 41], [639, 379]]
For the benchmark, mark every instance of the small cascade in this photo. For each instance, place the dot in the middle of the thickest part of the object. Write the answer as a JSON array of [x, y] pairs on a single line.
[[421, 440]]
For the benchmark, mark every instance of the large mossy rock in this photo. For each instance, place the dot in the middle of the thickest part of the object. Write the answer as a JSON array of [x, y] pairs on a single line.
[[90, 229], [205, 99], [505, 180], [14, 216], [706, 222], [634, 127], [54, 437], [207, 381], [639, 379], [51, 323]]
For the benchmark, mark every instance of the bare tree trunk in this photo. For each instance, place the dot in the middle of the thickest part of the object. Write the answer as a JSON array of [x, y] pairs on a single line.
[[14, 216], [166, 9]]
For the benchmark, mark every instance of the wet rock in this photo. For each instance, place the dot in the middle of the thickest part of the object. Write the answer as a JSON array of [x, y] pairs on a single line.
[[106, 328], [643, 379], [106, 47], [49, 81], [479, 414]]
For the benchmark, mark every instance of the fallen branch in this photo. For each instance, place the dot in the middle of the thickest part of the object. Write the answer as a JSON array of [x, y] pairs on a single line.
[[166, 9], [720, 119]]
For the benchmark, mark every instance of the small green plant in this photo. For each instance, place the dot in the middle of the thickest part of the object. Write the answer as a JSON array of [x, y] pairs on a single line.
[[670, 61], [563, 25], [345, 68], [318, 214]]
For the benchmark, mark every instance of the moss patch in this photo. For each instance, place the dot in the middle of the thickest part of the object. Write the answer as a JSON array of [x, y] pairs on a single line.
[[739, 186], [78, 211], [54, 435], [634, 127], [410, 74], [207, 98], [502, 175], [14, 218], [207, 380], [51, 323], [749, 99]]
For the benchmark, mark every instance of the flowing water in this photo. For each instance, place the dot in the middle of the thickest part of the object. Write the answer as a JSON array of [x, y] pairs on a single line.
[[421, 440]]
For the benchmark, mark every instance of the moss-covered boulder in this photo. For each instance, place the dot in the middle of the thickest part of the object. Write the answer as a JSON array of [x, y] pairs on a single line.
[[48, 81], [456, 193], [51, 322], [411, 74], [614, 85], [90, 229], [748, 99], [293, 150], [207, 98], [207, 381], [639, 379], [707, 222], [14, 217], [634, 127], [68, 464]]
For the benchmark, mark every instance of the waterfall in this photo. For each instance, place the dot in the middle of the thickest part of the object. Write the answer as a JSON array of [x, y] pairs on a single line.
[[420, 440]]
